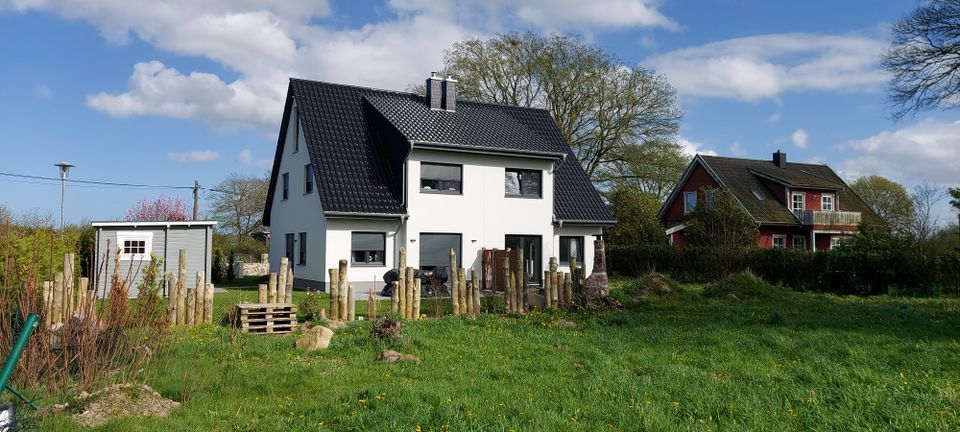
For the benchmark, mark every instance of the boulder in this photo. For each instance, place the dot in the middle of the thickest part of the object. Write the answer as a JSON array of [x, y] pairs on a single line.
[[315, 338]]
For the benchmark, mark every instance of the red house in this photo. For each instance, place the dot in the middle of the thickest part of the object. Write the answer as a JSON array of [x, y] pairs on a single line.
[[797, 206]]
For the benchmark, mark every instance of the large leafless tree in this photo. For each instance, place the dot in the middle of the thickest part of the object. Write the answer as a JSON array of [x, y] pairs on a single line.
[[238, 204], [619, 119], [924, 59]]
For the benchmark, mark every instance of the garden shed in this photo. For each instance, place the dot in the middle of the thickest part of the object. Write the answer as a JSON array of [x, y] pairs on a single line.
[[137, 242]]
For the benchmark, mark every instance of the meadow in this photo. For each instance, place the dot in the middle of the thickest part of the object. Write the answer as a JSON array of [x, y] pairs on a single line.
[[687, 362]]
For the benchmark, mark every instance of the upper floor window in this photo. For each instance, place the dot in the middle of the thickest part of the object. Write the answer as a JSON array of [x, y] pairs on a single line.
[[522, 183], [441, 178], [296, 132], [367, 248], [308, 178], [797, 201], [826, 202], [286, 185], [689, 202]]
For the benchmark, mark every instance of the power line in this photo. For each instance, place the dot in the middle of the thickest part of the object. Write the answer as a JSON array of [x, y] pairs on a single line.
[[95, 182]]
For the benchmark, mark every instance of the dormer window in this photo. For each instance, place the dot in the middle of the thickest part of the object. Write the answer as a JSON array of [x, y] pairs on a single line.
[[441, 178]]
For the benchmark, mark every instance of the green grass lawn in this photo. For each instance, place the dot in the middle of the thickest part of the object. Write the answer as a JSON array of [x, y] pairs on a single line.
[[801, 362]]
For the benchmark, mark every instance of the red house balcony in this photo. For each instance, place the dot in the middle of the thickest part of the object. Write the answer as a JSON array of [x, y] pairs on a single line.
[[828, 218]]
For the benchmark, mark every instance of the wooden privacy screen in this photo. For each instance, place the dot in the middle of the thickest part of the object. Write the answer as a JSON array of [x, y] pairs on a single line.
[[492, 274]]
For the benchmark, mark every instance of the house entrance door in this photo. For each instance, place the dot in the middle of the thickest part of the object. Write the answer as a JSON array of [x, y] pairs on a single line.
[[531, 247]]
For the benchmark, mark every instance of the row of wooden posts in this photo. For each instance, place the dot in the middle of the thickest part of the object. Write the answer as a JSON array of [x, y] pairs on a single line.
[[279, 288], [62, 299], [343, 304], [188, 306], [464, 293], [405, 299]]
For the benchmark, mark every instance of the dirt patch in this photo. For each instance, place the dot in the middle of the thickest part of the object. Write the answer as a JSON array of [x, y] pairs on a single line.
[[563, 323], [121, 400], [391, 356]]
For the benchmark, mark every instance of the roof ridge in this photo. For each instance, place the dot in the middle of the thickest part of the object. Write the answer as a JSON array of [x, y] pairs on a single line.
[[408, 93]]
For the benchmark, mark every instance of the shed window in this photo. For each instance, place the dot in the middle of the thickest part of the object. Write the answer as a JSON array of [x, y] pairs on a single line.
[[367, 248], [134, 245], [440, 178], [522, 183]]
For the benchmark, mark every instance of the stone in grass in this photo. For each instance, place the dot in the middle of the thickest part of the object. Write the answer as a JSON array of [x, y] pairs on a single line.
[[121, 400], [315, 338], [391, 356]]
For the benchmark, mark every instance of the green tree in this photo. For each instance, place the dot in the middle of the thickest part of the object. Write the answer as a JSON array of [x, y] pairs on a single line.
[[955, 197], [619, 119], [636, 215], [924, 59], [719, 221], [238, 206], [889, 199]]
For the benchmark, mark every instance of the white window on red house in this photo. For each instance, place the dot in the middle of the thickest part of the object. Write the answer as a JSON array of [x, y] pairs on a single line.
[[796, 201], [779, 241], [826, 202], [689, 202], [835, 241], [799, 242]]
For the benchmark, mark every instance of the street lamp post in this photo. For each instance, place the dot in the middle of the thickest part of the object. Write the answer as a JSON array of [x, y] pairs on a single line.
[[64, 171]]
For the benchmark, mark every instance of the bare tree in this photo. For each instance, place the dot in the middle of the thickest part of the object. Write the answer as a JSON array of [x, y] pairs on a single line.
[[238, 204], [925, 59], [605, 109], [925, 223]]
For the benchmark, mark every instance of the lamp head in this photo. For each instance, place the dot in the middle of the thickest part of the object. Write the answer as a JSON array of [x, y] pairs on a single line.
[[64, 169]]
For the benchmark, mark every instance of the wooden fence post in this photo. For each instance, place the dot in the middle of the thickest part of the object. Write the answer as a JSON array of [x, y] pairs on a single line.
[[57, 314], [371, 303], [452, 280], [351, 304], [191, 305], [208, 304], [68, 291], [416, 298], [83, 297], [262, 293], [282, 279], [288, 287], [343, 290], [395, 297], [546, 289], [402, 283], [334, 285], [554, 288], [171, 300], [182, 287], [521, 283], [462, 286], [272, 288], [200, 292], [408, 291], [476, 293]]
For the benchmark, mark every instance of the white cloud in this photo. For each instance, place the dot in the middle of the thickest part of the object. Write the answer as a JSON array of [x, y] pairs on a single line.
[[692, 148], [799, 138], [194, 156], [774, 118], [264, 42], [925, 151], [766, 66], [42, 91], [245, 157], [738, 149]]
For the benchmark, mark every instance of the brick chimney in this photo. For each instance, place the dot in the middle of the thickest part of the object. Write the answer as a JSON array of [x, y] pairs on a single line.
[[435, 86], [449, 93], [780, 159]]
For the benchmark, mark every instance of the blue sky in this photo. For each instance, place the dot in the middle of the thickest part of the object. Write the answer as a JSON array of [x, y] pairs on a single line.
[[168, 92]]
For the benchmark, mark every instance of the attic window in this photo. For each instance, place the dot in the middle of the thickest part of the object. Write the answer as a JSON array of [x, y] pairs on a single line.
[[758, 195]]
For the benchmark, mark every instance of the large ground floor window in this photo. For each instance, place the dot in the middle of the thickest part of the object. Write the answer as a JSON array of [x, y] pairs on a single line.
[[368, 248], [435, 250], [532, 253]]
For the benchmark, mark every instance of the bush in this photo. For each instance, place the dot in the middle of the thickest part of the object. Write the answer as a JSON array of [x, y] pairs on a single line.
[[310, 306], [386, 327], [653, 285], [743, 285]]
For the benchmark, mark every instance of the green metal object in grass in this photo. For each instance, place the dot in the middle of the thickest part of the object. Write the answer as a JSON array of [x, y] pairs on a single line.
[[11, 363]]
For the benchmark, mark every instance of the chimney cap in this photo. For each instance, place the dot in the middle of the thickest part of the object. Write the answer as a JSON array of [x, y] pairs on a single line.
[[450, 78], [435, 75]]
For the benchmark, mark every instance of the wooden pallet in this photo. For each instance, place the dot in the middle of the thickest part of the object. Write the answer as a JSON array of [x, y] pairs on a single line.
[[267, 318]]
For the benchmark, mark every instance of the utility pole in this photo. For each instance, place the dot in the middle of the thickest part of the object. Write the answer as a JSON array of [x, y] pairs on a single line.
[[196, 199], [64, 170]]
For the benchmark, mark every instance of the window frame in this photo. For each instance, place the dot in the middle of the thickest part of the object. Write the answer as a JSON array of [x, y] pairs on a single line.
[[308, 179], [835, 241], [580, 245], [459, 190], [687, 209], [383, 252], [520, 172], [803, 201], [773, 241], [144, 236], [285, 186], [301, 248], [833, 202], [289, 245], [803, 242]]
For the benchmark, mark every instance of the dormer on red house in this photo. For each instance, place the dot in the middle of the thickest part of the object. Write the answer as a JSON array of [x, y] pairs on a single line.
[[796, 205]]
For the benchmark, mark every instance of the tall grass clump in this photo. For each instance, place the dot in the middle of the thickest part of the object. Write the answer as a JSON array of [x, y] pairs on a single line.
[[743, 285]]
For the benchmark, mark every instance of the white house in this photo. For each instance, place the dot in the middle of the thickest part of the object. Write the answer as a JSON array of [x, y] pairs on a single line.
[[359, 172]]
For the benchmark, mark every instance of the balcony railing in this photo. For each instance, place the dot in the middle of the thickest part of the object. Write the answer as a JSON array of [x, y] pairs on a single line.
[[830, 218]]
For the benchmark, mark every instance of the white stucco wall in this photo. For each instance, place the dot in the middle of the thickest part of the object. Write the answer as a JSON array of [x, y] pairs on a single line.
[[299, 213], [482, 214], [339, 246]]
